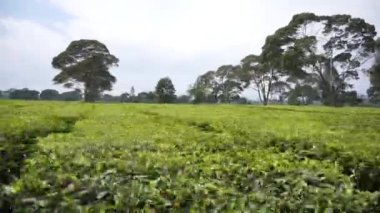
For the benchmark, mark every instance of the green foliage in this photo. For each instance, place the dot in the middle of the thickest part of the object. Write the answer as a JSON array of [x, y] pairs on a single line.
[[302, 94], [374, 91], [221, 86], [146, 97], [322, 47], [74, 95], [49, 94], [165, 90], [205, 89], [142, 97], [111, 98], [183, 99], [373, 95], [120, 157], [25, 94], [18, 137], [86, 62], [262, 74], [228, 83], [125, 97], [351, 98]]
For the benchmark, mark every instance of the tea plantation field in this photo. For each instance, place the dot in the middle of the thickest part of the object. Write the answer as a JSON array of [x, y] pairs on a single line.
[[75, 157]]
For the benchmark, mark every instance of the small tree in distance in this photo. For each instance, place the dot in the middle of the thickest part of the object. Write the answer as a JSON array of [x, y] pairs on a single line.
[[49, 94], [25, 94], [75, 95], [165, 90]]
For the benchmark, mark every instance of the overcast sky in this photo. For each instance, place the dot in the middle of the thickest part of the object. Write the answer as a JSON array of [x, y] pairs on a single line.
[[152, 38]]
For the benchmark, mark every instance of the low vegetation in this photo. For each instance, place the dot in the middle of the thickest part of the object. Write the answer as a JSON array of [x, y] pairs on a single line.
[[75, 156]]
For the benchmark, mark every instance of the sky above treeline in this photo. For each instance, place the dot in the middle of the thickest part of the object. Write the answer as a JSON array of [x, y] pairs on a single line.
[[180, 39]]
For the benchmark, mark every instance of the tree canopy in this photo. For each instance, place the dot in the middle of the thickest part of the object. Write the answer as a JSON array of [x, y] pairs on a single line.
[[25, 94], [204, 89], [86, 63], [74, 95], [374, 91], [221, 86], [261, 75], [330, 49], [49, 94], [165, 90]]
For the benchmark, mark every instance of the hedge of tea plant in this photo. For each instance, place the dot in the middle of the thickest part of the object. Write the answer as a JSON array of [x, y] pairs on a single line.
[[193, 158]]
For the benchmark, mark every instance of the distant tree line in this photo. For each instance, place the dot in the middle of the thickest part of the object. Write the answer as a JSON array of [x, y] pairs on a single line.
[[314, 59], [47, 94], [164, 93]]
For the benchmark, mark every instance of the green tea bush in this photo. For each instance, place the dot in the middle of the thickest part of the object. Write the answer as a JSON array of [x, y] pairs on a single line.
[[127, 157]]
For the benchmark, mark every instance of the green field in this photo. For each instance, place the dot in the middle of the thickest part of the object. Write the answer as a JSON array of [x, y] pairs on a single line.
[[94, 157]]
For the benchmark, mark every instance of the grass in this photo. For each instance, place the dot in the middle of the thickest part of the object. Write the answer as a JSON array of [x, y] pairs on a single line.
[[117, 157]]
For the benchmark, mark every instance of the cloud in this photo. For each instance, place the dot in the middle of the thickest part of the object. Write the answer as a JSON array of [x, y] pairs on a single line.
[[153, 39], [26, 51]]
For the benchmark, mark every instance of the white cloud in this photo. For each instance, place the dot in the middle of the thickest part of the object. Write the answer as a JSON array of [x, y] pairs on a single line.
[[26, 52], [181, 27], [153, 39]]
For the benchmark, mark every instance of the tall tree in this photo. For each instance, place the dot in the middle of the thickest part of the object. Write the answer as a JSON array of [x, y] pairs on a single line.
[[165, 90], [86, 63], [132, 91], [228, 84], [302, 94], [374, 91], [132, 95], [223, 85], [333, 48], [261, 75], [205, 88]]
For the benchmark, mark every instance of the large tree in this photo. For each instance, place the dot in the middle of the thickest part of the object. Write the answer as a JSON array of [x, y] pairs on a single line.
[[223, 85], [262, 75], [228, 84], [85, 64], [331, 48], [165, 90], [302, 94], [374, 91], [205, 89]]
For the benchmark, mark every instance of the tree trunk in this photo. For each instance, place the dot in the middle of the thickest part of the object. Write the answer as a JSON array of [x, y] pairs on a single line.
[[89, 93], [265, 98], [265, 101], [258, 91], [88, 98]]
